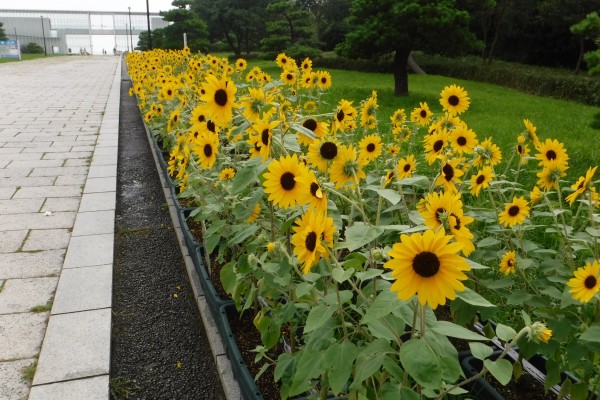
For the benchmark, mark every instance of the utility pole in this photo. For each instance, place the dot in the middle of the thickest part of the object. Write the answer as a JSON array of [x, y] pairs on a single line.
[[130, 29], [148, 19], [44, 36]]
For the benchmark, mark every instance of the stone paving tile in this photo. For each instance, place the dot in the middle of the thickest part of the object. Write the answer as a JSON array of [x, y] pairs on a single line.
[[14, 172], [37, 221], [27, 181], [104, 160], [94, 388], [7, 193], [102, 171], [95, 185], [47, 239], [4, 163], [77, 162], [11, 241], [21, 157], [58, 171], [12, 385], [22, 335], [17, 206], [47, 191], [98, 201], [36, 164], [61, 204], [76, 345], [81, 289], [70, 180], [20, 295], [69, 155], [61, 149], [90, 250], [94, 223], [31, 265]]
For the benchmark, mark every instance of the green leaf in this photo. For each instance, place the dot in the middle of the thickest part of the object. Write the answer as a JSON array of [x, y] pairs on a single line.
[[318, 316], [284, 362], [390, 195], [359, 235], [448, 328], [243, 234], [475, 265], [369, 274], [487, 242], [248, 174], [505, 333], [303, 131], [269, 330], [303, 288], [579, 391], [344, 297], [500, 369], [338, 361], [591, 334], [390, 391], [419, 360], [480, 351], [369, 360], [473, 298], [526, 317], [309, 366], [384, 304], [228, 278], [341, 275]]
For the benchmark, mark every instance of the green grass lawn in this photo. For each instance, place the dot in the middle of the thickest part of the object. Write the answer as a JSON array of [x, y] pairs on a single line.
[[25, 57], [495, 111]]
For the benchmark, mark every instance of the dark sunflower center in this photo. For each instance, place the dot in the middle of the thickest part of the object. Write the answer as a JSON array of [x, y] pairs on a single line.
[[480, 179], [310, 124], [328, 150], [289, 77], [519, 149], [448, 172], [371, 147], [324, 80], [287, 181], [208, 150], [175, 118], [461, 140], [453, 100], [510, 263], [406, 167], [390, 175], [437, 146], [581, 184], [311, 241], [201, 118], [340, 115], [551, 155], [590, 282], [426, 264], [423, 114], [221, 97], [169, 92], [265, 137], [314, 187], [211, 126], [457, 220], [513, 211]]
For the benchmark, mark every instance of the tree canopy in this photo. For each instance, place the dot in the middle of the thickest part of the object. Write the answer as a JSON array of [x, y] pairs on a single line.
[[397, 27], [2, 32], [184, 21]]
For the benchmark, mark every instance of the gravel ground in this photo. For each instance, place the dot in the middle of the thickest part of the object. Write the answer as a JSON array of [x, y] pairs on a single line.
[[159, 345]]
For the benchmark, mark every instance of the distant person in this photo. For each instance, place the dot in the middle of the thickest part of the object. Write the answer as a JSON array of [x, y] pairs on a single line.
[[114, 51]]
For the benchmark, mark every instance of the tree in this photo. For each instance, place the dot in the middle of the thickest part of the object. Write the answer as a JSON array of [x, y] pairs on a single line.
[[2, 32], [288, 29], [399, 26], [184, 21], [32, 48], [330, 20], [587, 29], [239, 23]]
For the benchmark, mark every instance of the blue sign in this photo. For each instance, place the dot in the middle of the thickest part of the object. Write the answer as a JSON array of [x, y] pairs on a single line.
[[10, 49]]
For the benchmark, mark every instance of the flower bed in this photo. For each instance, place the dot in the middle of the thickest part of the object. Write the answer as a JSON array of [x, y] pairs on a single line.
[[341, 233]]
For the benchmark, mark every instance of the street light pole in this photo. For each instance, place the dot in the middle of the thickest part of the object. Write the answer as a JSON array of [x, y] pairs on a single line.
[[148, 19], [44, 36], [130, 29]]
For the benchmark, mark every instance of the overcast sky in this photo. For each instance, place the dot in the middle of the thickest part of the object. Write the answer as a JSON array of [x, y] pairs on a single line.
[[86, 5]]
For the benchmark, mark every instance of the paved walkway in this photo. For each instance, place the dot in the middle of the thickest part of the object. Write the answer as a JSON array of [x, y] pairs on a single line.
[[59, 120]]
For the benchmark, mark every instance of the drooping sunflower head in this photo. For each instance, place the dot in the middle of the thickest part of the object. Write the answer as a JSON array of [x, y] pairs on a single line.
[[488, 153], [427, 265], [586, 282], [514, 212], [319, 128], [398, 118], [281, 181], [549, 176], [347, 167], [581, 185], [343, 116], [454, 99], [530, 132]]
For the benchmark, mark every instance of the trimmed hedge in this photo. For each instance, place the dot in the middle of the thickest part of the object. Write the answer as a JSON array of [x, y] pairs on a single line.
[[557, 83]]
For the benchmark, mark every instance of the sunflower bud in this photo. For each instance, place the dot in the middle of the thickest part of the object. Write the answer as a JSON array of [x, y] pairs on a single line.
[[539, 333], [378, 254], [252, 260]]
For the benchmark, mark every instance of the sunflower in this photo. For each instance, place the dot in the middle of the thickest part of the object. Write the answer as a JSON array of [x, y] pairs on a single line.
[[437, 206], [481, 180], [406, 166], [206, 147], [392, 149], [522, 149], [347, 167], [261, 135], [530, 132], [314, 234], [535, 196], [487, 154], [309, 79], [549, 176], [168, 92], [310, 107], [586, 282], [288, 77], [254, 214], [508, 263], [514, 212], [344, 114], [427, 265], [435, 144], [324, 80], [285, 62], [281, 181], [314, 196], [398, 118], [219, 99], [551, 150], [227, 174], [368, 111], [458, 227], [582, 184], [254, 103], [370, 147], [421, 114], [455, 99], [463, 140], [320, 129], [322, 152], [240, 64], [389, 177], [306, 65], [173, 119], [450, 174]]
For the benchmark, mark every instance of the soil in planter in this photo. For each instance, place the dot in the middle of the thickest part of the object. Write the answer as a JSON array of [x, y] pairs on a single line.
[[527, 387], [159, 346]]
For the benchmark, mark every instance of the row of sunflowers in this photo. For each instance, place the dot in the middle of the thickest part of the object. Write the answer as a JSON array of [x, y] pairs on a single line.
[[352, 234]]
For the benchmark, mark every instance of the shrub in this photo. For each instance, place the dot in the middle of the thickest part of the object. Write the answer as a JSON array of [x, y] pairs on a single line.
[[32, 48]]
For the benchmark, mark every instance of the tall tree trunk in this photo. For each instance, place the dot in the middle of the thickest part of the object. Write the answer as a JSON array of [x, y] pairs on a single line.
[[401, 71]]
